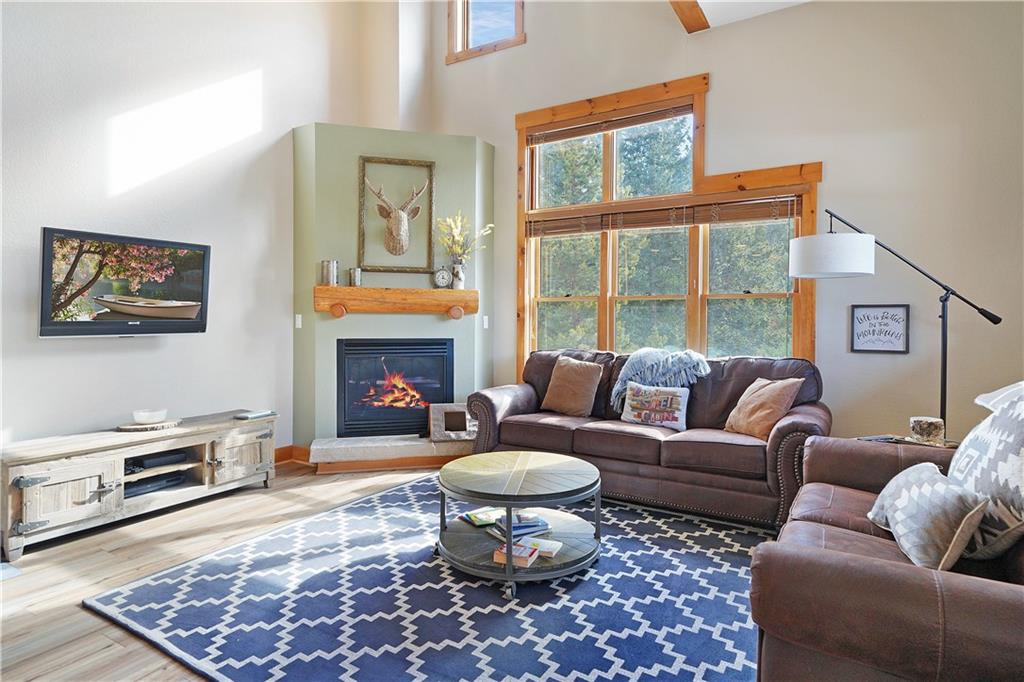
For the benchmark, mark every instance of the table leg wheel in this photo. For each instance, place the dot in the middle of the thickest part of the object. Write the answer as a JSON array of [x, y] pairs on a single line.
[[437, 549], [510, 591]]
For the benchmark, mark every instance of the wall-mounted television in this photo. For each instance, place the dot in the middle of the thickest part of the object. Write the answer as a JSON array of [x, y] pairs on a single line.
[[104, 284]]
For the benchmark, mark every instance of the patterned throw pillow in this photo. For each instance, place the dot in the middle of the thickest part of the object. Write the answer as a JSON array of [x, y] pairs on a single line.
[[990, 461], [656, 405], [931, 517]]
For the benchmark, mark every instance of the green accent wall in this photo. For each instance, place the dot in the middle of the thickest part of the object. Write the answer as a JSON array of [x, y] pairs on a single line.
[[326, 201]]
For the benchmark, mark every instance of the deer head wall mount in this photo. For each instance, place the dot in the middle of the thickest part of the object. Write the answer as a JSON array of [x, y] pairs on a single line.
[[396, 231]]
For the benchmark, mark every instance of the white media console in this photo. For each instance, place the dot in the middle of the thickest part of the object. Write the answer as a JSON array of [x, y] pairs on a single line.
[[55, 486]]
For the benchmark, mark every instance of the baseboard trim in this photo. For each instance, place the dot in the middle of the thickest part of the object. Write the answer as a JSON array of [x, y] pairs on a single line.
[[432, 462], [291, 453]]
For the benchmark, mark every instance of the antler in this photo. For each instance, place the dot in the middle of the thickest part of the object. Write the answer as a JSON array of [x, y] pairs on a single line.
[[414, 196], [379, 193]]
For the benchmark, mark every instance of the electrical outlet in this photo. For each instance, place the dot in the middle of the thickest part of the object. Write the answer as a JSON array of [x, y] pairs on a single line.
[[487, 322], [298, 321]]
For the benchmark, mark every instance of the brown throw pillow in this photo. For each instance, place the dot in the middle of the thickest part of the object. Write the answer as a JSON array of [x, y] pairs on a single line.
[[762, 405], [573, 387]]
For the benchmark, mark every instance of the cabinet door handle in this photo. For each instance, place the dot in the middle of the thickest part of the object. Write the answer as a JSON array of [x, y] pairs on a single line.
[[106, 488]]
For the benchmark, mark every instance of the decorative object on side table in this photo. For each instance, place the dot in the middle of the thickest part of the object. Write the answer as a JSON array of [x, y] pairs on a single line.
[[461, 243], [880, 328], [928, 430], [406, 229], [823, 256]]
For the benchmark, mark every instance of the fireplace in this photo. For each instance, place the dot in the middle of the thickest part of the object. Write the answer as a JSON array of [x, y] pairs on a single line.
[[386, 386]]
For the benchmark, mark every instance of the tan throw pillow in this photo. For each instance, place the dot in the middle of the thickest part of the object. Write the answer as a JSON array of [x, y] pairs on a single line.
[[573, 387], [762, 405]]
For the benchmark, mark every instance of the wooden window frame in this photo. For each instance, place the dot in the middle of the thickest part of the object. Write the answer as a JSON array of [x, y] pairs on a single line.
[[458, 33], [799, 180]]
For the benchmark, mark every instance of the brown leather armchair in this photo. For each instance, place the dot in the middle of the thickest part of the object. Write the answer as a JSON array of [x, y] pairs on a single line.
[[834, 598]]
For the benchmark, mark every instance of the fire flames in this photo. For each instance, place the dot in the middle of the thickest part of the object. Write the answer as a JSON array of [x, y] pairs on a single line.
[[397, 391]]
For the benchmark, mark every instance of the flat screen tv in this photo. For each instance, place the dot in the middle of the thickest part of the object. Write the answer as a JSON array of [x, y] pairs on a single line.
[[104, 284]]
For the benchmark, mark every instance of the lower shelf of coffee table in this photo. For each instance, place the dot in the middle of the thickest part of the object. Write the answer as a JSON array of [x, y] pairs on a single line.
[[471, 549]]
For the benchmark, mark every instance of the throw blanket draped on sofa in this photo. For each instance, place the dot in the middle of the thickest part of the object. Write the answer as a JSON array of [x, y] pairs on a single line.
[[659, 367]]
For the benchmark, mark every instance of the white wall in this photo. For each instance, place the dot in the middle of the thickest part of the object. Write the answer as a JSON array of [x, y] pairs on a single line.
[[914, 108], [67, 71]]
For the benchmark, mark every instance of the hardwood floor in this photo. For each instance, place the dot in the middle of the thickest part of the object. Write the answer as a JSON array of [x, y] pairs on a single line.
[[46, 634]]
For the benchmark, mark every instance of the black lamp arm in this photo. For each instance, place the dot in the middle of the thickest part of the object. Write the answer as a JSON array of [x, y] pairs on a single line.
[[950, 291]]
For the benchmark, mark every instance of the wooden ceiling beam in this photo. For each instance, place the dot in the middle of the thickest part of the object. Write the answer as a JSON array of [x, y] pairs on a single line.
[[691, 16]]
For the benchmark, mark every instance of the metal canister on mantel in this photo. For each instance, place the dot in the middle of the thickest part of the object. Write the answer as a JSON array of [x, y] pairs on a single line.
[[355, 277], [329, 273]]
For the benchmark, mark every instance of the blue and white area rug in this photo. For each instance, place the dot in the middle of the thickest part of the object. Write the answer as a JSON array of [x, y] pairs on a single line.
[[356, 593]]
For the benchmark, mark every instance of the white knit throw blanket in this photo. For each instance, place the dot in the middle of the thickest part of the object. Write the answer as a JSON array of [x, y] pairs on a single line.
[[659, 367]]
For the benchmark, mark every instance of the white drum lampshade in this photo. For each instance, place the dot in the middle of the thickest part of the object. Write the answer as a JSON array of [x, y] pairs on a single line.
[[822, 256]]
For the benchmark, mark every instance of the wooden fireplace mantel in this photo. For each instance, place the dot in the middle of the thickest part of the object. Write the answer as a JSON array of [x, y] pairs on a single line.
[[340, 301]]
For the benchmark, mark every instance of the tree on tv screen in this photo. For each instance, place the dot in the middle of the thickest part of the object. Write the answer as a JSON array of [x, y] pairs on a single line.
[[78, 264]]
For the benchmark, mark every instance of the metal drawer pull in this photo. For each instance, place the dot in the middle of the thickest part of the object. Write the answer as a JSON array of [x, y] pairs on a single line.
[[20, 527], [22, 482]]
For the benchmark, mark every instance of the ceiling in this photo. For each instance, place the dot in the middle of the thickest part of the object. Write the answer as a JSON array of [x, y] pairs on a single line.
[[699, 16], [719, 12]]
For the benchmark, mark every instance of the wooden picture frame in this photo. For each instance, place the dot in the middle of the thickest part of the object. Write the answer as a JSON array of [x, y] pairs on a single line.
[[421, 228], [880, 328]]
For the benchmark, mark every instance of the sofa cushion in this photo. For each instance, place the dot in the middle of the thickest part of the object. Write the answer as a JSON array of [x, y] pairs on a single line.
[[931, 517], [572, 387], [762, 405], [990, 461], [616, 439], [541, 430], [820, 536], [656, 405], [714, 396], [717, 452], [539, 366], [834, 505]]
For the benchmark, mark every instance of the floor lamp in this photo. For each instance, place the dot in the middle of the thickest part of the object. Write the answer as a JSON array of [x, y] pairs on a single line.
[[823, 256]]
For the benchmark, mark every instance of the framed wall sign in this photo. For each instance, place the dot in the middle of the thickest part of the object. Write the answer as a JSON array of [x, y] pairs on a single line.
[[880, 328], [396, 215]]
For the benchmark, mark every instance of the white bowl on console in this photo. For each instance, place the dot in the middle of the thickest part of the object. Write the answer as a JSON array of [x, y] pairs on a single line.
[[149, 416]]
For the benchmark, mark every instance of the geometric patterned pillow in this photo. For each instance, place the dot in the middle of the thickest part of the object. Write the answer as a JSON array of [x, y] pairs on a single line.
[[931, 517], [990, 461]]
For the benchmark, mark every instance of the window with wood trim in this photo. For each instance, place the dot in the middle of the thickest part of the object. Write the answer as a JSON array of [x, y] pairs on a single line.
[[624, 242], [481, 27]]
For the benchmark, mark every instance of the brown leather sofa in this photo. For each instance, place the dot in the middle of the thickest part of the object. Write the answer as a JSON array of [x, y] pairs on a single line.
[[703, 469], [836, 599]]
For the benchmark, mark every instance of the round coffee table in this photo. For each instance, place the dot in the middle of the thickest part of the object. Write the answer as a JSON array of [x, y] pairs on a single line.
[[526, 481]]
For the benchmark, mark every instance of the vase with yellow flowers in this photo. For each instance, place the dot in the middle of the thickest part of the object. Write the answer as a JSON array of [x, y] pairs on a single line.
[[461, 242]]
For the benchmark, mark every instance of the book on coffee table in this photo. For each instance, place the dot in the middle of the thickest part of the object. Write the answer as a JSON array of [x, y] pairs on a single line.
[[484, 516], [522, 556], [546, 547]]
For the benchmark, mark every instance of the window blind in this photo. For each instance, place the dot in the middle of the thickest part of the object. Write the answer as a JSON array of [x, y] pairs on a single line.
[[765, 208], [625, 119]]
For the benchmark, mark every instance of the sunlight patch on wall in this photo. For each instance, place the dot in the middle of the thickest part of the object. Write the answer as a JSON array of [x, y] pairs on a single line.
[[151, 141]]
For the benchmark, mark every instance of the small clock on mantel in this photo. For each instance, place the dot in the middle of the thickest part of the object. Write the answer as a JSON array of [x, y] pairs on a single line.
[[442, 278]]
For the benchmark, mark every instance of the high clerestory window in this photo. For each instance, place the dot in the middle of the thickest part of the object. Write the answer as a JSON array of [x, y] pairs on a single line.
[[624, 242], [478, 28]]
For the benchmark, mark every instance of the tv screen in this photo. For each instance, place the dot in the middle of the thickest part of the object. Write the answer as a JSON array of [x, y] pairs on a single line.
[[104, 284]]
